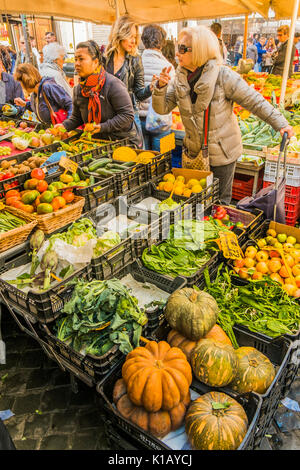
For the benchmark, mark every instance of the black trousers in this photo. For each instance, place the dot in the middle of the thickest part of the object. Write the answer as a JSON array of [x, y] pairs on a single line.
[[225, 175]]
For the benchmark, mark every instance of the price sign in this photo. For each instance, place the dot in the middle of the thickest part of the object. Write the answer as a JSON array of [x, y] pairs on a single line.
[[2, 206], [167, 143], [68, 164], [229, 244]]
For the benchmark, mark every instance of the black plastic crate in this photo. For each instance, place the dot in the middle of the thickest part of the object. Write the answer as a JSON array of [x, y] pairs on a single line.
[[259, 232], [160, 165], [197, 277], [45, 306], [251, 220], [143, 440], [141, 274], [284, 355], [94, 367], [105, 147]]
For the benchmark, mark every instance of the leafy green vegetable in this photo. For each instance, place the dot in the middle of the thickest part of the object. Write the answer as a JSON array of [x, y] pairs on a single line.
[[261, 306], [106, 306]]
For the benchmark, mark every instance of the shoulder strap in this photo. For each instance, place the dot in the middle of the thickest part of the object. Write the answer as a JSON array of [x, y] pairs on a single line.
[[52, 113], [206, 120]]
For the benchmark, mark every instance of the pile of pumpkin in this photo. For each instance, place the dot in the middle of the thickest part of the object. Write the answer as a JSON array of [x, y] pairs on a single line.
[[154, 391]]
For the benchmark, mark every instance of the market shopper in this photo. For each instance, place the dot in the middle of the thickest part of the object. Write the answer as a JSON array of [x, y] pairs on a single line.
[[217, 29], [9, 87], [52, 65], [260, 45], [169, 52], [153, 38], [101, 98], [251, 52], [205, 90], [238, 50], [123, 61], [279, 55], [50, 37], [48, 100], [267, 60], [21, 55]]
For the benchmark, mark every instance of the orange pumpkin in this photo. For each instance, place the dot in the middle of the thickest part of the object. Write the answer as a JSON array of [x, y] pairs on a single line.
[[159, 423], [157, 376], [177, 340]]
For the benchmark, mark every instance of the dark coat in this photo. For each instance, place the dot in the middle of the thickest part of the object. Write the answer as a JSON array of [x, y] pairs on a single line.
[[117, 115], [132, 75], [13, 88], [279, 59], [57, 97]]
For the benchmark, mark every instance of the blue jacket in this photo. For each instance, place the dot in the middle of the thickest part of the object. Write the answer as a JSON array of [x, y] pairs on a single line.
[[13, 88], [260, 52], [57, 97]]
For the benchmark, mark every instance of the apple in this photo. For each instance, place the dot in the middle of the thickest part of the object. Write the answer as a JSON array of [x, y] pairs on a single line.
[[297, 246], [288, 247], [34, 142], [278, 245], [250, 252], [243, 273], [257, 276], [291, 240], [249, 262], [262, 255], [262, 267], [281, 237], [271, 233], [261, 243], [276, 277]]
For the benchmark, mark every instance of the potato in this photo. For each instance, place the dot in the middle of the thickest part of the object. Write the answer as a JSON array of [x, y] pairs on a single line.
[[5, 164]]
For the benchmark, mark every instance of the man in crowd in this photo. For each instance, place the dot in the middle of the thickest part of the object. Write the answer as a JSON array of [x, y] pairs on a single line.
[[260, 45], [297, 51], [217, 29], [238, 50], [279, 56], [35, 52], [21, 55], [50, 37]]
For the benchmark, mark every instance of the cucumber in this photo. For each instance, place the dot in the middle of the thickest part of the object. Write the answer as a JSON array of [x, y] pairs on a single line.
[[92, 180], [116, 166], [85, 169], [129, 164], [104, 172], [102, 162]]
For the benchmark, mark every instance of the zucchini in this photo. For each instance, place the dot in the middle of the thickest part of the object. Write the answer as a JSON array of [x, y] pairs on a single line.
[[102, 162], [129, 164], [104, 172], [92, 180], [116, 166]]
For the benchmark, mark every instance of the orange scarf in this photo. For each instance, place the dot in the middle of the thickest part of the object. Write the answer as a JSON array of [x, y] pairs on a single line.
[[90, 88]]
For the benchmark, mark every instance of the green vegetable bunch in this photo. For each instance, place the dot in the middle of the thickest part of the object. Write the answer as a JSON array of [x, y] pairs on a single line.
[[106, 306], [261, 306]]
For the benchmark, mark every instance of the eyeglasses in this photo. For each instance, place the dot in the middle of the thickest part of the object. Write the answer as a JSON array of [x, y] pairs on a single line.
[[182, 49]]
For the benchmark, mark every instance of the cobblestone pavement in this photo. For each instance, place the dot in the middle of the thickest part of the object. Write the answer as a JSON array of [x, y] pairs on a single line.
[[50, 416]]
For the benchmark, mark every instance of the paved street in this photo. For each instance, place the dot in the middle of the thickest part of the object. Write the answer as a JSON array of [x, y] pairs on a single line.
[[50, 416]]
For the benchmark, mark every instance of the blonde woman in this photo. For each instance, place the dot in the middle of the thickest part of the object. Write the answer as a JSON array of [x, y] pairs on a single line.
[[205, 90], [123, 61]]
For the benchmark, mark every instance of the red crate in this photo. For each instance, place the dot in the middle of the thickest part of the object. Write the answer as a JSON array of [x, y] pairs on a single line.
[[243, 185], [291, 203]]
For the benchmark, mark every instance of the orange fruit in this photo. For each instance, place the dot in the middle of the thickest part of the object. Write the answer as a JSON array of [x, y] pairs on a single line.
[[290, 289], [11, 200], [249, 262], [12, 193], [168, 186], [161, 185], [55, 204], [60, 200], [257, 276], [197, 188], [28, 208], [178, 190], [68, 196], [187, 192], [243, 273], [239, 263], [274, 265], [169, 177], [180, 178], [262, 267], [296, 270], [276, 277], [192, 182], [283, 272]]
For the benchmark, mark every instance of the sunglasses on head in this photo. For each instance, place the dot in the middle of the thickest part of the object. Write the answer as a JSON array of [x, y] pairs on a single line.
[[182, 49]]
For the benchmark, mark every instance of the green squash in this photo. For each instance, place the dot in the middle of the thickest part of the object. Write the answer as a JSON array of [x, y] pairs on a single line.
[[214, 363], [255, 371], [215, 421], [192, 313]]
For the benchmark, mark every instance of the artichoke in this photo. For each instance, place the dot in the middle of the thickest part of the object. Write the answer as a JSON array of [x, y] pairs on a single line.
[[48, 263], [36, 241]]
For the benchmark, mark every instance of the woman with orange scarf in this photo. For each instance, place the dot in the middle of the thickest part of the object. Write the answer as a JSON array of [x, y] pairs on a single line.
[[100, 98]]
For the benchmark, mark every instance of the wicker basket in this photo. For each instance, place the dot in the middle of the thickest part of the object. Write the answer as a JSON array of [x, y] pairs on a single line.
[[55, 220], [17, 235]]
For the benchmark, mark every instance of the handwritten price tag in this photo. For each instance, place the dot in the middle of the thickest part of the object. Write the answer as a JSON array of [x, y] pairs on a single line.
[[68, 164], [229, 244]]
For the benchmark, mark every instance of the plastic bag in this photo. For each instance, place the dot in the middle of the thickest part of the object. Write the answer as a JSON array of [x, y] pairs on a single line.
[[157, 123]]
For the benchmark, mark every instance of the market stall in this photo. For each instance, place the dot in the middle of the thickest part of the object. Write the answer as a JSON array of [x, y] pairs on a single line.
[[102, 284]]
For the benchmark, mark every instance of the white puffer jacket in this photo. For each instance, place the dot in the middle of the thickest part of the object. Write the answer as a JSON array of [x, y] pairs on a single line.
[[222, 87], [153, 63]]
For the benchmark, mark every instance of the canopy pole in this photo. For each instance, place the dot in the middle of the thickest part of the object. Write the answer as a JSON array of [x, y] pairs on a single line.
[[288, 53], [245, 36], [26, 35], [117, 8]]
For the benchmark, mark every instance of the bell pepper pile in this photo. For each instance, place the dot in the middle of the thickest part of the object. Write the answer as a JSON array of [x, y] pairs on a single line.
[[222, 217]]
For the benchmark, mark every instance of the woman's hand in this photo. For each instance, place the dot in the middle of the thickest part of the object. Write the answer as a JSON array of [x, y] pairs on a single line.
[[289, 130], [20, 102], [164, 77], [153, 81]]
